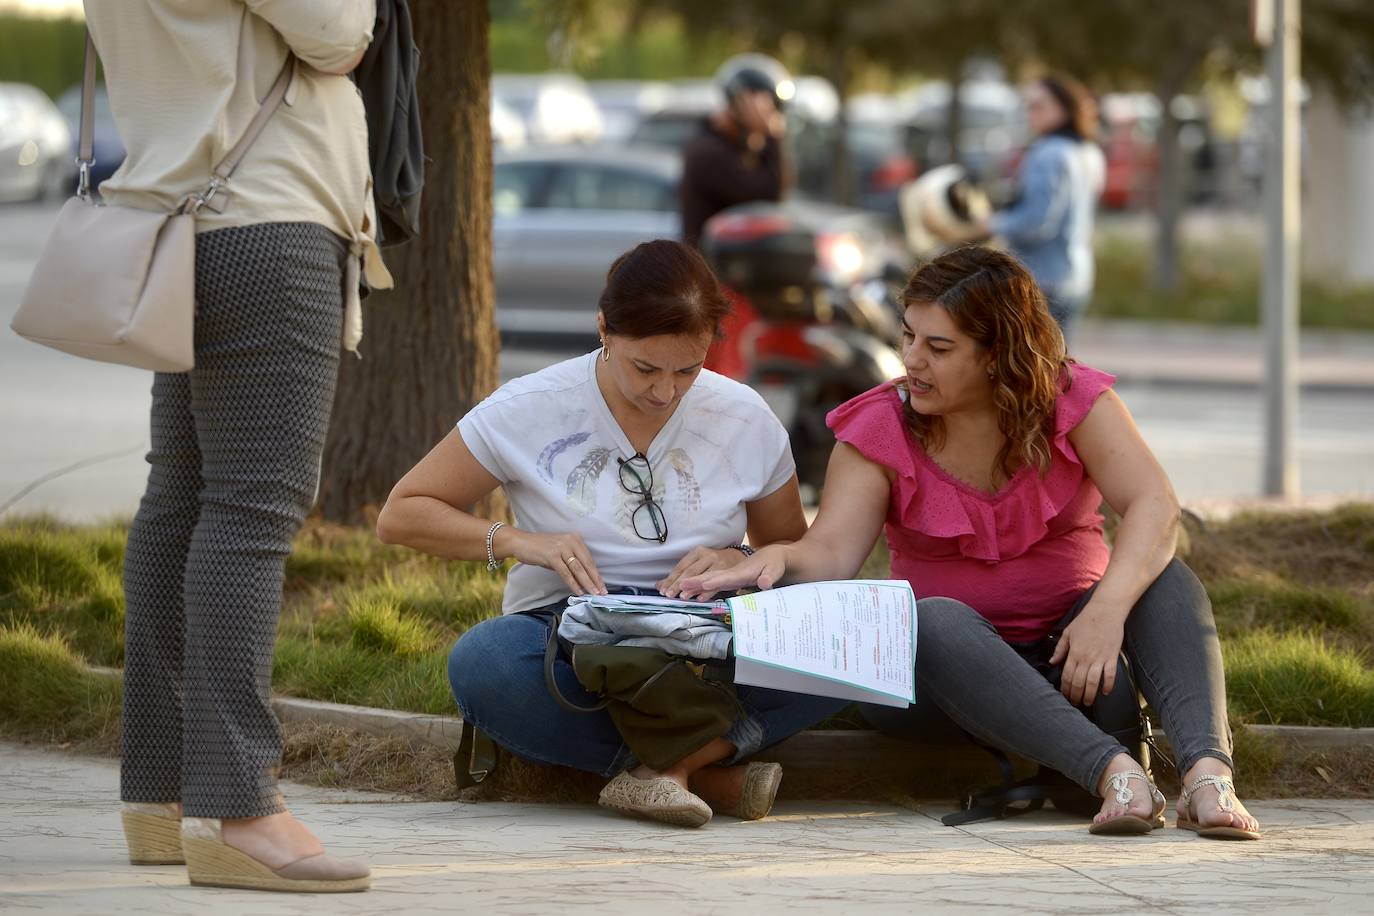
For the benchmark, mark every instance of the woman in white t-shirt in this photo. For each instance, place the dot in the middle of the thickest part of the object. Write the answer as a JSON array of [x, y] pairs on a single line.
[[631, 467]]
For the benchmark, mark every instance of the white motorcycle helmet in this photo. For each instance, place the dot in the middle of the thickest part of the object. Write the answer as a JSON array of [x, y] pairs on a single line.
[[756, 73], [943, 207]]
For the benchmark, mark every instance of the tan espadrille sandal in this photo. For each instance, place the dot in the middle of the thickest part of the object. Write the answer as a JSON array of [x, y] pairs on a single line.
[[153, 833], [761, 781], [211, 862], [1130, 824], [1226, 801], [658, 799]]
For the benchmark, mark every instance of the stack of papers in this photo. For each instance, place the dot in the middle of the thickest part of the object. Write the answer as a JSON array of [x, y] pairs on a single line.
[[853, 639]]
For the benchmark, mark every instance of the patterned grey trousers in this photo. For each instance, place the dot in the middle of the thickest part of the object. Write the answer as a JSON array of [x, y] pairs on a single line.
[[236, 446]]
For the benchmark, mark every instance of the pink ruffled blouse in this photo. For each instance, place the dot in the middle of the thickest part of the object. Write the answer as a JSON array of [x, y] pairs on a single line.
[[1020, 557]]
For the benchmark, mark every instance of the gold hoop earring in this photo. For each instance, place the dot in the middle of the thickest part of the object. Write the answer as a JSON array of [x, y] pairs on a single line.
[[605, 353]]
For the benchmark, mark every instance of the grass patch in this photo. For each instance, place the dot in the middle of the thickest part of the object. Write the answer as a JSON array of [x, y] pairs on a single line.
[[372, 625], [1297, 679], [1299, 572], [1220, 284], [48, 693]]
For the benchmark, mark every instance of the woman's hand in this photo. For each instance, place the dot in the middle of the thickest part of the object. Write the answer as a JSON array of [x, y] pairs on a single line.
[[565, 554], [698, 562], [1089, 648], [763, 570]]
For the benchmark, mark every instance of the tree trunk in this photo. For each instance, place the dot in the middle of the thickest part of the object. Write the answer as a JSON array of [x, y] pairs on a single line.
[[431, 347], [1168, 193]]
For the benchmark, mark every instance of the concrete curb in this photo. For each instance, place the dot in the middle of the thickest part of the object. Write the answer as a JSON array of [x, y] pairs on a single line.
[[417, 729], [842, 748], [808, 750]]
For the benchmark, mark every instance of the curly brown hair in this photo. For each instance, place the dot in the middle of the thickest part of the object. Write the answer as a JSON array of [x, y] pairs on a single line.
[[994, 300]]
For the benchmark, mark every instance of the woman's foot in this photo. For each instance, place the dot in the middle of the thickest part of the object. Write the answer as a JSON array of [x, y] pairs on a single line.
[[1209, 806], [659, 798], [746, 792], [271, 853], [275, 840], [1130, 802]]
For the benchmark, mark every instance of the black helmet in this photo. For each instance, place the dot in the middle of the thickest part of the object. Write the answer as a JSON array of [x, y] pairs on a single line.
[[755, 73]]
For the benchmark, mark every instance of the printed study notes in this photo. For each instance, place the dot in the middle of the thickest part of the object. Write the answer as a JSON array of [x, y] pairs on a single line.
[[854, 639]]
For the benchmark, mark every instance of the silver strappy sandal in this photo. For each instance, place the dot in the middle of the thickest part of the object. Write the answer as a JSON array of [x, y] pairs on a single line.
[[1130, 824], [1226, 801]]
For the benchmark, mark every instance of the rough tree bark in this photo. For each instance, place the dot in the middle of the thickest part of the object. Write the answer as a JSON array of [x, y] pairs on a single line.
[[431, 348]]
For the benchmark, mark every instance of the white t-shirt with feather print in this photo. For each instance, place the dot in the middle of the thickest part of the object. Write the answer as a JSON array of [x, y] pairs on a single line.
[[551, 440]]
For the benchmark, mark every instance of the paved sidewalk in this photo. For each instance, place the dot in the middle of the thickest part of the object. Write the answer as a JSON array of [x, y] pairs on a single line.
[[61, 850], [1200, 356]]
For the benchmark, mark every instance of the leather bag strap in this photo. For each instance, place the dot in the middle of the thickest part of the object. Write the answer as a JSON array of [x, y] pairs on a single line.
[[226, 167]]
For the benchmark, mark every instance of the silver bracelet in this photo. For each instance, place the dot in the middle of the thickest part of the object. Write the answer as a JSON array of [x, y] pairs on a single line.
[[492, 564], [742, 548]]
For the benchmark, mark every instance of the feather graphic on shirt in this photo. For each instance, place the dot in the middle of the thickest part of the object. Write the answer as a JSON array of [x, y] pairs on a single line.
[[583, 479], [688, 489], [556, 448]]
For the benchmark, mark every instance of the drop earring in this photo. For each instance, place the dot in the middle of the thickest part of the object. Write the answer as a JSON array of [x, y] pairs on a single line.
[[605, 352]]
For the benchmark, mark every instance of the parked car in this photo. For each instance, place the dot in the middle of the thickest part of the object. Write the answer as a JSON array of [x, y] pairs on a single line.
[[680, 116], [1131, 123], [109, 148], [556, 107], [507, 127], [992, 126], [35, 146], [625, 103], [880, 161], [562, 215]]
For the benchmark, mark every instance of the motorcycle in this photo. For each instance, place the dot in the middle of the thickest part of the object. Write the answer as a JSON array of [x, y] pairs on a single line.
[[816, 316]]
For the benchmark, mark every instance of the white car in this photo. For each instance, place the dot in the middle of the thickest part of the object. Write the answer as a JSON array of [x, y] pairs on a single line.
[[556, 107], [36, 159]]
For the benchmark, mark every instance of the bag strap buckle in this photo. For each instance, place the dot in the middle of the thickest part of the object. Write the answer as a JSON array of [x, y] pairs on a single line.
[[83, 183]]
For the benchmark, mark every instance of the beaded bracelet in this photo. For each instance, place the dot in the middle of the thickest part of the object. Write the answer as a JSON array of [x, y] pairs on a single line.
[[743, 548], [492, 564]]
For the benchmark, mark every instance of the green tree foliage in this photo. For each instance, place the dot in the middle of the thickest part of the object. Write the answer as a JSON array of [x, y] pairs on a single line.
[[42, 51]]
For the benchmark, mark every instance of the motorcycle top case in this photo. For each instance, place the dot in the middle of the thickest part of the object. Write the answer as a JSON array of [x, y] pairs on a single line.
[[761, 253]]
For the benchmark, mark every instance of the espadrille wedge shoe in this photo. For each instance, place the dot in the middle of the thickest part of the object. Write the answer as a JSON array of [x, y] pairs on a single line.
[[211, 862], [153, 832]]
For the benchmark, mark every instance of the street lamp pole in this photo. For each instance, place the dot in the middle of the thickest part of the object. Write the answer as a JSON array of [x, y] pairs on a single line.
[[1283, 235]]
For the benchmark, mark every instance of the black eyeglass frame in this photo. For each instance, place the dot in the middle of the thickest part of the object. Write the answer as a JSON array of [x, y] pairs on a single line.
[[645, 493]]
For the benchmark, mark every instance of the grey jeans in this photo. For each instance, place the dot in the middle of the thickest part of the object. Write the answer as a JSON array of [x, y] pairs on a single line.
[[994, 694]]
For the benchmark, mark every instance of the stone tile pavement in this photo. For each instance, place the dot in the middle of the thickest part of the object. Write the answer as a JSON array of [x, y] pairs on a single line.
[[61, 851]]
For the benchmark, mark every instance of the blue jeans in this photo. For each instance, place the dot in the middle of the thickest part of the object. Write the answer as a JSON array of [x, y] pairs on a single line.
[[496, 670]]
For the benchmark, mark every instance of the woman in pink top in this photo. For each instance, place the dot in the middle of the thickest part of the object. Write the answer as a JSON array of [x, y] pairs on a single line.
[[986, 464]]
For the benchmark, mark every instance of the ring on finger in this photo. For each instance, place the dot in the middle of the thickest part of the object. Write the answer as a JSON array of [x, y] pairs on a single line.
[[570, 560]]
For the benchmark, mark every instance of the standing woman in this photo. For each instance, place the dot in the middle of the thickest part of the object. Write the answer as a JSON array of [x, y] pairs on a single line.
[[236, 441], [1050, 227]]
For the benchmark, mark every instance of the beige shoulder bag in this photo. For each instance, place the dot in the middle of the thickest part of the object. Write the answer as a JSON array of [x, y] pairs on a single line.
[[117, 284]]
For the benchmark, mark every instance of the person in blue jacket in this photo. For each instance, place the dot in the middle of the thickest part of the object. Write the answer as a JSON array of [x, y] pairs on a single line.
[[1050, 226]]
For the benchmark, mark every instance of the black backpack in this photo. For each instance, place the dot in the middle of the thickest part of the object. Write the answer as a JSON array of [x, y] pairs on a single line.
[[386, 80]]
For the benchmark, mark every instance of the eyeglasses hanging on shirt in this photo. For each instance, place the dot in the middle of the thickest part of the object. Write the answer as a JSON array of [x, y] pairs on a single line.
[[637, 477]]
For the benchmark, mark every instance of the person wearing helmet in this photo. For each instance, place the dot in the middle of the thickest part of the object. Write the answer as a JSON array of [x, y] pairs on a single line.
[[738, 157]]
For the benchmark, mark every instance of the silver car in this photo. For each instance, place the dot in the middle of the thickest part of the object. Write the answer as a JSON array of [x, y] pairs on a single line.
[[36, 157], [562, 215]]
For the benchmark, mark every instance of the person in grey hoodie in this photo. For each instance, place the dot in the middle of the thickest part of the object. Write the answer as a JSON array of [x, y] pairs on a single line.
[[1050, 226]]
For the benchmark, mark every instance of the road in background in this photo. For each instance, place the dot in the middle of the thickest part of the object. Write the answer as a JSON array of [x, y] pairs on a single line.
[[1192, 390]]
